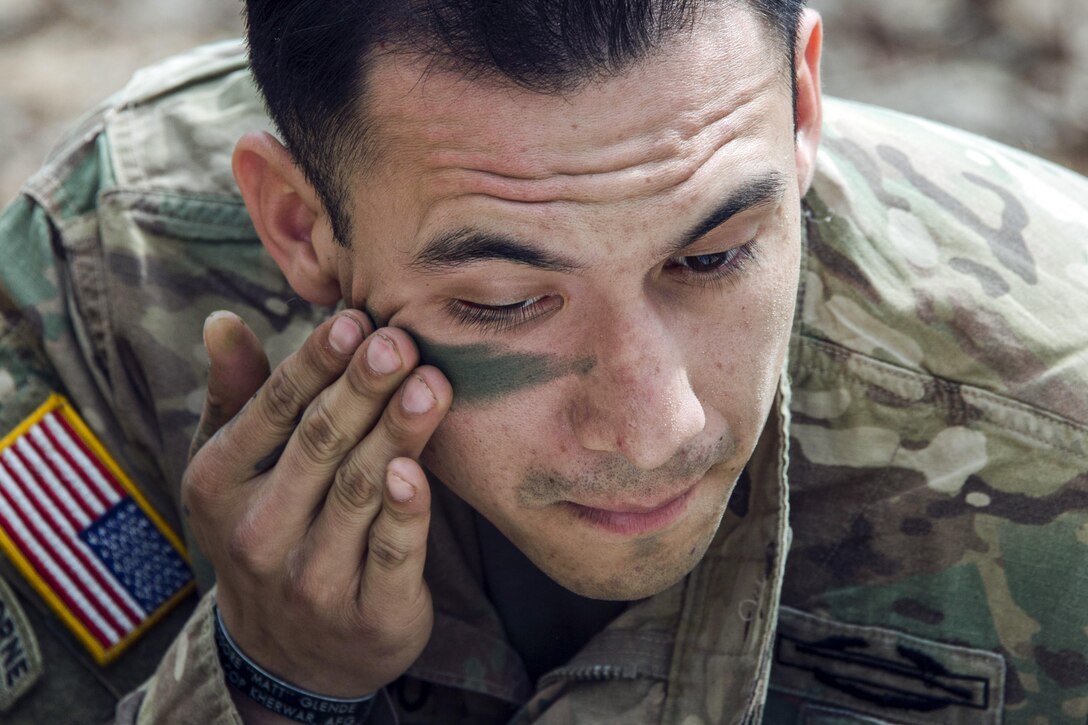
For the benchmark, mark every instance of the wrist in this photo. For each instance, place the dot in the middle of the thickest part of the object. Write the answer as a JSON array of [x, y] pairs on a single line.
[[253, 682]]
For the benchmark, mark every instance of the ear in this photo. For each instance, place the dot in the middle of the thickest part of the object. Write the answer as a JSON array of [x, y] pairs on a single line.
[[810, 40], [288, 216]]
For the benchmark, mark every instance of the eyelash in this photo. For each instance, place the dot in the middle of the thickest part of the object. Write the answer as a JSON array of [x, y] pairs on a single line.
[[499, 318], [738, 260]]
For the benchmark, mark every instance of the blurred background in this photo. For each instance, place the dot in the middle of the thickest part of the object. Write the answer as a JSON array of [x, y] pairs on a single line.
[[1013, 70]]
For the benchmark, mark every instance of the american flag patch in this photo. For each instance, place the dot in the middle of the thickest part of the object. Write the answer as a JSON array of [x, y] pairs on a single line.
[[80, 532]]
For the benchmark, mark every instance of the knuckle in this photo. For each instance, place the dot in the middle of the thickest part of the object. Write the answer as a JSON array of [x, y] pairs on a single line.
[[282, 398], [319, 434], [399, 427], [245, 548], [387, 552], [304, 588], [200, 487], [355, 486], [295, 585], [194, 494]]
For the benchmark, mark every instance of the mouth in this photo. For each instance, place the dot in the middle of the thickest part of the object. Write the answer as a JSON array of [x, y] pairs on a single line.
[[633, 518]]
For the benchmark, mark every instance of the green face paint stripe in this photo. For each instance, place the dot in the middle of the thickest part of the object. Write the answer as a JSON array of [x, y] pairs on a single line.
[[481, 373]]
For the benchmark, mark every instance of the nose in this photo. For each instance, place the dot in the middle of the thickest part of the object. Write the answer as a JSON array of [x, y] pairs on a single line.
[[638, 399]]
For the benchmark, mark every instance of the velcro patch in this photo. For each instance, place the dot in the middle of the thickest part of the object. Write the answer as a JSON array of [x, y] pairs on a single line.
[[83, 536], [887, 674], [20, 658]]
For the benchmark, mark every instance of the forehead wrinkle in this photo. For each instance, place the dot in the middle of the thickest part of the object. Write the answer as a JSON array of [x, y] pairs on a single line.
[[670, 162], [666, 133]]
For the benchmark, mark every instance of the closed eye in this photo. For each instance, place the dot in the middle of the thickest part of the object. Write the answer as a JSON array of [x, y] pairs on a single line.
[[502, 317]]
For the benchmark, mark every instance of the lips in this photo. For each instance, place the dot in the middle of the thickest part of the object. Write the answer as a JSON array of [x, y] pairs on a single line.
[[634, 518]]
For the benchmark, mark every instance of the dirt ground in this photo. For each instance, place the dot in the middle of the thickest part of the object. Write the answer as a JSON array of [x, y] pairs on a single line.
[[1014, 70]]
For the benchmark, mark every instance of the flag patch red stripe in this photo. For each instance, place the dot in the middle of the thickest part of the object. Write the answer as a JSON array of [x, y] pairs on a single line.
[[67, 466], [47, 567], [90, 467], [125, 612], [81, 535], [42, 527]]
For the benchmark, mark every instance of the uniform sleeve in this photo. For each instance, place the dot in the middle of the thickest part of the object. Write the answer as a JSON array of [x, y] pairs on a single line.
[[26, 298], [188, 685], [45, 349]]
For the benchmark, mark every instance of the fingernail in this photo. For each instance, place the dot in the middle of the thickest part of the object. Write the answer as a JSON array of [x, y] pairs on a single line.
[[417, 397], [399, 490], [345, 335], [208, 323], [382, 356]]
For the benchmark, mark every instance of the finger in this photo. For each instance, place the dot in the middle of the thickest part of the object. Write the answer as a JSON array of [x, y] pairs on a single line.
[[340, 530], [237, 366], [270, 418], [341, 416], [392, 579]]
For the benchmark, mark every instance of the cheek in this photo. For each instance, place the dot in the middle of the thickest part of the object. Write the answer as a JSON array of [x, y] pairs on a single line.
[[770, 315], [773, 290], [482, 452], [745, 352]]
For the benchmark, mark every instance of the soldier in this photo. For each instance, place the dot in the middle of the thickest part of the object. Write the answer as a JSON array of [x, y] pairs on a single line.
[[564, 299]]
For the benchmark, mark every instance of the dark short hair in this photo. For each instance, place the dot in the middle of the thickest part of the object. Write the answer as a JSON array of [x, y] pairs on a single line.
[[309, 58]]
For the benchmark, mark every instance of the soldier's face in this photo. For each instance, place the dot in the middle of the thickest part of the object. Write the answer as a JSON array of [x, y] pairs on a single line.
[[608, 279]]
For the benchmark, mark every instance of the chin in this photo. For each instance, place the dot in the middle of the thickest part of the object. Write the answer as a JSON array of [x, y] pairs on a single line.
[[642, 569], [625, 589], [601, 564]]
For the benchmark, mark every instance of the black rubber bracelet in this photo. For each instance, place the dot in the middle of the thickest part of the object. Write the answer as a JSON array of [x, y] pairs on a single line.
[[281, 697]]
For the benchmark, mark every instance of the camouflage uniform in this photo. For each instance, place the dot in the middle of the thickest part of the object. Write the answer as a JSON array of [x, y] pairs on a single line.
[[936, 438]]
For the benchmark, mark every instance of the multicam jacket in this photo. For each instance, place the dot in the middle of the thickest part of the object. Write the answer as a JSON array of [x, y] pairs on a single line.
[[935, 441]]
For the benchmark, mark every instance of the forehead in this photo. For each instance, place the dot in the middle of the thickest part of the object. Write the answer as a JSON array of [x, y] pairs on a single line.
[[656, 118]]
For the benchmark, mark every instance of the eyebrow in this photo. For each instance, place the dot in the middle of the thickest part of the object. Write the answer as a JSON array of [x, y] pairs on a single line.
[[466, 246], [759, 191]]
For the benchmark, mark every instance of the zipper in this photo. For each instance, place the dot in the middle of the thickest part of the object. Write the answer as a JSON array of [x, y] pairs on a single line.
[[594, 673]]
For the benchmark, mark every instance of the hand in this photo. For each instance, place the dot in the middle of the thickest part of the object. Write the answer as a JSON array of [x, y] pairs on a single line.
[[309, 503]]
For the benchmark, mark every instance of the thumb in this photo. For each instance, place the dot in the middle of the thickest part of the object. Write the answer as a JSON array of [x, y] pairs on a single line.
[[237, 367]]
